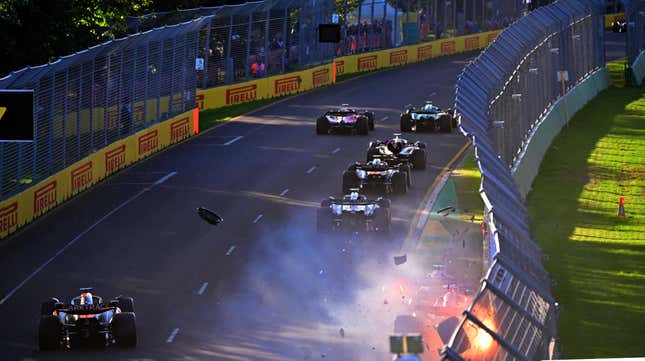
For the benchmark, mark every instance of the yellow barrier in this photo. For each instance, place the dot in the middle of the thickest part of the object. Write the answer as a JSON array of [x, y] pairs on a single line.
[[610, 18], [22, 208], [291, 83]]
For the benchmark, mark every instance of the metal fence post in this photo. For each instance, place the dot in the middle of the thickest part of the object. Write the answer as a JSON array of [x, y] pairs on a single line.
[[64, 129], [79, 109], [207, 50], [284, 36], [266, 39], [248, 45], [230, 67]]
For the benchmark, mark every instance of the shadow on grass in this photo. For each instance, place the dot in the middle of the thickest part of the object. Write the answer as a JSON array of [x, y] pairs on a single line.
[[596, 258]]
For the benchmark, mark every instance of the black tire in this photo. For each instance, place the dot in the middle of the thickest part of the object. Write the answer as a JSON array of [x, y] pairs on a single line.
[[383, 202], [47, 308], [382, 220], [362, 126], [124, 329], [350, 180], [371, 153], [446, 124], [421, 145], [322, 126], [407, 169], [399, 183], [323, 220], [126, 304], [419, 158], [406, 123], [49, 330], [453, 120], [370, 120], [325, 203]]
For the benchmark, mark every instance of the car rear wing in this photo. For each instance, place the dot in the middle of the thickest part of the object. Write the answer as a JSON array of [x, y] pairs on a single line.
[[85, 309]]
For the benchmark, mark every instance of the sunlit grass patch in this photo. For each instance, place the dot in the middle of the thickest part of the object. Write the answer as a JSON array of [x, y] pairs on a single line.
[[597, 258]]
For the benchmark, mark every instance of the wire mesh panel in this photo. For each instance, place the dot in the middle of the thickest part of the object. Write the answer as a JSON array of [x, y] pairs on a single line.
[[635, 17], [88, 100], [501, 97]]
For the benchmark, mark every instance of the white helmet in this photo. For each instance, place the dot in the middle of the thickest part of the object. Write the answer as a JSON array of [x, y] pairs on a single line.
[[86, 298], [353, 196], [376, 162]]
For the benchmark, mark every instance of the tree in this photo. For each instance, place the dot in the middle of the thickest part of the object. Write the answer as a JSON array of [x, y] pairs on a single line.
[[345, 7]]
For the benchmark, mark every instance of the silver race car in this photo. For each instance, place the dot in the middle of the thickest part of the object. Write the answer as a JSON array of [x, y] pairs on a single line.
[[399, 150], [379, 176], [427, 117], [354, 212]]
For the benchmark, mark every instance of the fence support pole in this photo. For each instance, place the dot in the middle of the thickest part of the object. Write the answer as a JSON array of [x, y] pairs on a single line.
[[207, 50]]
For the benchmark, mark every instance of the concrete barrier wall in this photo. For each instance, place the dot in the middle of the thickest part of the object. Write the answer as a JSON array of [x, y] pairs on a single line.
[[528, 164]]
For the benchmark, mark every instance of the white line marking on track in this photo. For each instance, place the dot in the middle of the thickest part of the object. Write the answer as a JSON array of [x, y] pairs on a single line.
[[172, 335], [230, 250], [257, 219], [284, 192], [335, 151], [233, 140], [202, 288], [310, 170], [84, 232], [385, 118]]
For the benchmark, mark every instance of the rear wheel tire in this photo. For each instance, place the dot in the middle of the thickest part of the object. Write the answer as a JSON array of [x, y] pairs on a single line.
[[419, 158], [407, 169], [49, 330], [126, 304], [446, 125], [381, 221], [400, 183], [322, 126], [370, 119], [47, 308], [406, 123], [362, 126], [124, 329], [350, 180]]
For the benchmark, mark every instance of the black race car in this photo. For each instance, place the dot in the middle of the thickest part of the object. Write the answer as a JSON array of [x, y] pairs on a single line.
[[428, 117], [377, 175], [345, 118], [398, 150], [87, 320], [619, 25], [354, 212]]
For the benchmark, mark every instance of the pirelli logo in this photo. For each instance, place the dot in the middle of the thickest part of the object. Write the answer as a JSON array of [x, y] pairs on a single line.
[[448, 47], [471, 42], [241, 94], [287, 85], [491, 37], [200, 101], [114, 159], [367, 62], [148, 142], [44, 198], [8, 218], [139, 113], [340, 67], [81, 177], [179, 129], [424, 52], [320, 77], [398, 57]]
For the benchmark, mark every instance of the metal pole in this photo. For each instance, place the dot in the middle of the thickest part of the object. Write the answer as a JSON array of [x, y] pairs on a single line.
[[229, 63], [248, 45], [78, 113], [284, 36], [145, 88], [172, 77], [266, 41], [207, 50], [436, 19], [92, 105], [64, 130], [157, 75], [133, 95], [371, 40], [51, 124]]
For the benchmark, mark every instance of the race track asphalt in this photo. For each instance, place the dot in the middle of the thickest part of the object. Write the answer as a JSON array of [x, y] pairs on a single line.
[[282, 293]]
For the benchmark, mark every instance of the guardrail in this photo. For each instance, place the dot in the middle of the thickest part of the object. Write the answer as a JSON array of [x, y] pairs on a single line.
[[500, 98]]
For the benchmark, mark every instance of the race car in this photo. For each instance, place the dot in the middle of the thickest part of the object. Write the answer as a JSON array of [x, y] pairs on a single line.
[[354, 212], [619, 25], [398, 150], [377, 175], [345, 118], [87, 320], [427, 116]]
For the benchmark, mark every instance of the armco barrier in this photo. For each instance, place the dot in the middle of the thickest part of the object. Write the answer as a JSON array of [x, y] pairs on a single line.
[[24, 207], [526, 168], [296, 82]]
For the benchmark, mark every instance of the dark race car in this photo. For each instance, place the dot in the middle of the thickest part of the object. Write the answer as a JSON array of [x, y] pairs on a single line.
[[345, 118], [427, 117], [354, 212], [377, 175], [619, 25], [86, 320], [398, 150]]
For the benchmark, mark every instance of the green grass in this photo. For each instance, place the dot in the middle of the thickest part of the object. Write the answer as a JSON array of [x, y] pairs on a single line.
[[467, 181], [596, 258]]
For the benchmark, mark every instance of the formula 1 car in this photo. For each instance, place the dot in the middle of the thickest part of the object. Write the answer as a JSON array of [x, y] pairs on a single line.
[[619, 26], [354, 212], [377, 175], [427, 116], [345, 118], [87, 320], [398, 150]]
